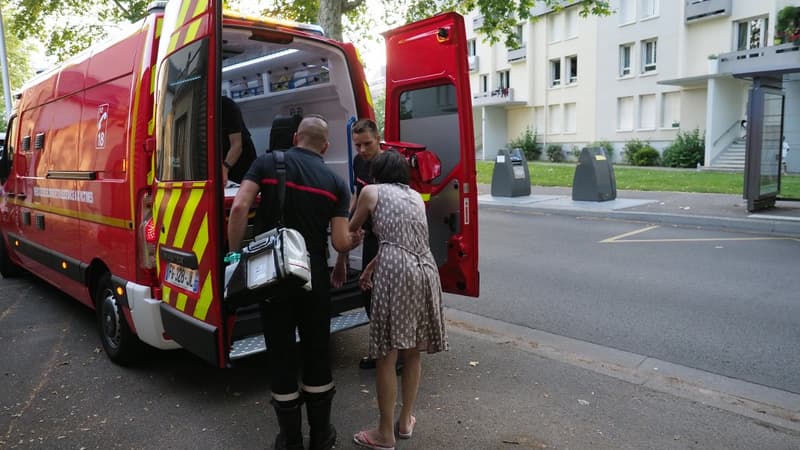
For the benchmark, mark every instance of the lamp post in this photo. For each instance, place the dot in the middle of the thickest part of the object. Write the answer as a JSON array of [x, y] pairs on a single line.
[[4, 62]]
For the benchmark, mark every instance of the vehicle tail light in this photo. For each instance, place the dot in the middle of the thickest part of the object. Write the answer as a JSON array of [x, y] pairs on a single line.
[[148, 237]]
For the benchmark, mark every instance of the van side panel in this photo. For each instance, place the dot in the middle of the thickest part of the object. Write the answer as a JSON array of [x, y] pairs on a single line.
[[105, 121]]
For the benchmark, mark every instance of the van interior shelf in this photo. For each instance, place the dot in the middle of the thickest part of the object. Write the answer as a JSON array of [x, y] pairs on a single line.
[[294, 91]]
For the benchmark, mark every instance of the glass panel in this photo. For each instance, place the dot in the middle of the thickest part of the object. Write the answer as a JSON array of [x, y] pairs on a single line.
[[182, 150], [741, 37], [430, 115], [770, 144]]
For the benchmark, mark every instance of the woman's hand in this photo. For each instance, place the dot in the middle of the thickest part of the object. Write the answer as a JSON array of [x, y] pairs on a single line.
[[365, 280]]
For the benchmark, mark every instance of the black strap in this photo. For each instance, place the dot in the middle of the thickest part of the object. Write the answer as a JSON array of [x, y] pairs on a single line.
[[280, 171]]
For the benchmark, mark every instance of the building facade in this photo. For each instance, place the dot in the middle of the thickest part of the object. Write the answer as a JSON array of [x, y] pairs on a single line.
[[648, 71]]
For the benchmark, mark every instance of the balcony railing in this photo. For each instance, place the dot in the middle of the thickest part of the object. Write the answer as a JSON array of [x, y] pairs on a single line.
[[500, 96], [698, 10], [762, 60], [473, 63], [517, 54]]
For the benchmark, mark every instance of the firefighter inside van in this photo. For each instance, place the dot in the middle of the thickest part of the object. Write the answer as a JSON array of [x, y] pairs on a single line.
[[238, 150]]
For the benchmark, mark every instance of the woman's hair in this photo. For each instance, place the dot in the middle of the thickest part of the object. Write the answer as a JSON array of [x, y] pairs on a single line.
[[389, 167]]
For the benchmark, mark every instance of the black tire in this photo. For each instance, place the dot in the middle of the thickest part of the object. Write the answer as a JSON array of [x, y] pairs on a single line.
[[8, 269], [120, 344]]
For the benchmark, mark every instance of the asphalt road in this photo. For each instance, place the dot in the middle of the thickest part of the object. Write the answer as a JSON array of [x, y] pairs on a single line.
[[59, 391], [721, 302]]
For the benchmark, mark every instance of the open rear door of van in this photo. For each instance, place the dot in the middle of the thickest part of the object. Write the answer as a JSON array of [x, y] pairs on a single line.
[[188, 201], [428, 102]]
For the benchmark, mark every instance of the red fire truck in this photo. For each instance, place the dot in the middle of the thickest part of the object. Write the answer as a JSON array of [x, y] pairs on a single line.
[[111, 175]]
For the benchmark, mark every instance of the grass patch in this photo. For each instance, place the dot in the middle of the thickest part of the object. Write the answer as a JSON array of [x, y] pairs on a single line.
[[646, 179]]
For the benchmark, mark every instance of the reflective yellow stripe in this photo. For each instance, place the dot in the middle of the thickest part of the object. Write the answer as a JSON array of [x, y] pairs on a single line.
[[369, 97], [159, 24], [181, 303], [204, 302], [191, 32], [166, 291], [202, 6], [186, 217], [182, 13], [201, 240], [425, 197], [95, 218], [169, 213], [173, 42]]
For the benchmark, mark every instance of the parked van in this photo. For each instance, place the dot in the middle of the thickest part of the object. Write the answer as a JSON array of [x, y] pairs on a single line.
[[112, 171]]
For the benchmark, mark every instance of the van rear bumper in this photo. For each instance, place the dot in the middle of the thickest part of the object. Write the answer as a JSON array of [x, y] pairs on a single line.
[[146, 314]]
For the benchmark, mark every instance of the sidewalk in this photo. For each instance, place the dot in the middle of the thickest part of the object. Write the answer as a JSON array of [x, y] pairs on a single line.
[[717, 211]]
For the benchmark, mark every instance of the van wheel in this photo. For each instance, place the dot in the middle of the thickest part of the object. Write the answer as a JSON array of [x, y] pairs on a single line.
[[119, 342], [8, 269]]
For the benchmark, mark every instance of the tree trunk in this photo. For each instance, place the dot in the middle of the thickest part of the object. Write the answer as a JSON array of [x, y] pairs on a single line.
[[330, 17]]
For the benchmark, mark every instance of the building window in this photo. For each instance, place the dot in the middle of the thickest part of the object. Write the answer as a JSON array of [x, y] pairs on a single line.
[[571, 19], [625, 59], [538, 112], [572, 69], [554, 112], [504, 79], [627, 11], [649, 55], [471, 49], [647, 112], [518, 34], [625, 113], [484, 83], [751, 33], [555, 72], [555, 25], [649, 8], [671, 110], [570, 118]]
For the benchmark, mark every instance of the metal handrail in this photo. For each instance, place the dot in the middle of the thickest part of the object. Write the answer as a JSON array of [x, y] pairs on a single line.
[[730, 128]]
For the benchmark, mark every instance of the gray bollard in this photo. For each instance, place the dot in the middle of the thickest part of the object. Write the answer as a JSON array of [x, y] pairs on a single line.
[[594, 177], [510, 176]]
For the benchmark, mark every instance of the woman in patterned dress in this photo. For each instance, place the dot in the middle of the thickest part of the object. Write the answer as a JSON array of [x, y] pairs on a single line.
[[406, 312]]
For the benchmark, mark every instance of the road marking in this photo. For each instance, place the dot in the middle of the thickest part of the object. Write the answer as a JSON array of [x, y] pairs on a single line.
[[620, 239], [630, 233]]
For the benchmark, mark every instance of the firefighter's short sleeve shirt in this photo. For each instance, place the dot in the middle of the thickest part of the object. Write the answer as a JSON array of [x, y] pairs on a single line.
[[233, 122], [314, 195]]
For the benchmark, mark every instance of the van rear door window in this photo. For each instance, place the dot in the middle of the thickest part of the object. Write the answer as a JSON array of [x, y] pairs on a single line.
[[182, 151]]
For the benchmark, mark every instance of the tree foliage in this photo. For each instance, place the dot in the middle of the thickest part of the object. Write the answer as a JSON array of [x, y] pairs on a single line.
[[68, 26], [18, 53]]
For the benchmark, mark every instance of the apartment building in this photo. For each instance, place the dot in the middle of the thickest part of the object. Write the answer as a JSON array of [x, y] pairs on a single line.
[[650, 69]]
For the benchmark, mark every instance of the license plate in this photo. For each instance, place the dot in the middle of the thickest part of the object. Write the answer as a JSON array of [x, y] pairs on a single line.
[[183, 277]]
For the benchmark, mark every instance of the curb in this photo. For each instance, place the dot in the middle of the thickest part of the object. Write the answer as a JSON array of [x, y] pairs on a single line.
[[770, 226]]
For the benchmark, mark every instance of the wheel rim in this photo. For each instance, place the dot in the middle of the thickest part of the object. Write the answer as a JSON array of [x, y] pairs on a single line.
[[110, 318]]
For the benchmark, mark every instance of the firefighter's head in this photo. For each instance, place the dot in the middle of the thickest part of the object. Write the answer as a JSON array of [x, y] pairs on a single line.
[[366, 138], [312, 133]]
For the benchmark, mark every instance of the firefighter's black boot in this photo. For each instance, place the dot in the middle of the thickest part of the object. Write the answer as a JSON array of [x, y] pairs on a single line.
[[290, 420], [318, 407]]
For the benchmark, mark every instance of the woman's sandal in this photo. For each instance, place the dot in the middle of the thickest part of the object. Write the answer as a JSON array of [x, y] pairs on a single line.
[[362, 438], [410, 430]]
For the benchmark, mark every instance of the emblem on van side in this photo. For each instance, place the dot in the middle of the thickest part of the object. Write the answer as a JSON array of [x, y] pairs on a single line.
[[102, 126]]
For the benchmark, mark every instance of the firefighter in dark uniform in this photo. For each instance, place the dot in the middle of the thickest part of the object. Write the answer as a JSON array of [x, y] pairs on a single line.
[[238, 150], [315, 198]]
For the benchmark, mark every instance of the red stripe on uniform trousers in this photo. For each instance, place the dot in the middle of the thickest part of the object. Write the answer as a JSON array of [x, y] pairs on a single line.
[[300, 187]]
